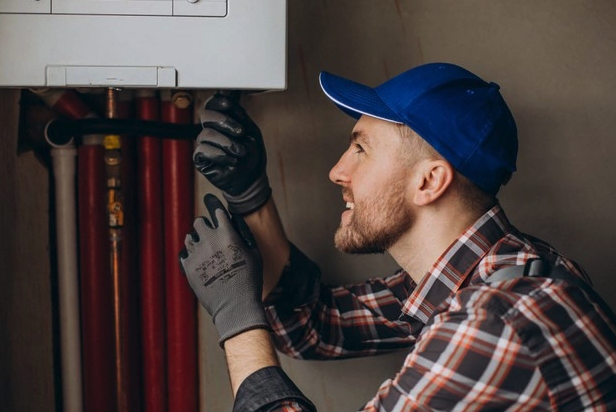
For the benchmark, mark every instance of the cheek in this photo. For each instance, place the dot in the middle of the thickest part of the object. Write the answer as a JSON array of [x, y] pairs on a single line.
[[378, 180], [366, 187]]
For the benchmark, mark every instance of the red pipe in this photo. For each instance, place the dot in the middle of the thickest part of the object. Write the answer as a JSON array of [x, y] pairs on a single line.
[[65, 102], [178, 192], [96, 288], [150, 213]]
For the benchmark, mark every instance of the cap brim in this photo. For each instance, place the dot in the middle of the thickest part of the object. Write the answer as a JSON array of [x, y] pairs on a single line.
[[355, 99]]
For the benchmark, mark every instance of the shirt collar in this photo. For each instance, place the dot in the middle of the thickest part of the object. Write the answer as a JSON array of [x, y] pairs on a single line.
[[454, 266]]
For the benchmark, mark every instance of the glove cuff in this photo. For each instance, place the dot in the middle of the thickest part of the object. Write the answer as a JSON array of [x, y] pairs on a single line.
[[243, 316], [252, 199]]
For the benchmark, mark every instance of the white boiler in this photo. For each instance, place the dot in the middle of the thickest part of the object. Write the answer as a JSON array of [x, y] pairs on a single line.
[[191, 44]]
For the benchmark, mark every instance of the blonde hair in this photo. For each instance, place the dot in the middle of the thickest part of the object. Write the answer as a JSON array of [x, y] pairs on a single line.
[[416, 148]]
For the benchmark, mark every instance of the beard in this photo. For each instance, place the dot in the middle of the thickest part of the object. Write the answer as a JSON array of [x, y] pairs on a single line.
[[377, 223]]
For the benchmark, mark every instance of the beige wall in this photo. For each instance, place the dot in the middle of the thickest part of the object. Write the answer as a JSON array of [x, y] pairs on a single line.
[[26, 360], [555, 62]]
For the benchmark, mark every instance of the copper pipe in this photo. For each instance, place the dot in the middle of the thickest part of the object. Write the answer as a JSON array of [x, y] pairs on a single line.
[[113, 160]]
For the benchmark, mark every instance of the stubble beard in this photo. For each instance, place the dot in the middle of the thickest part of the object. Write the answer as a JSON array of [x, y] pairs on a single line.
[[376, 224]]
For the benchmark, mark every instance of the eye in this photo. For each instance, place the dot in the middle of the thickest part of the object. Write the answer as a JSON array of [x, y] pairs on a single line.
[[358, 148]]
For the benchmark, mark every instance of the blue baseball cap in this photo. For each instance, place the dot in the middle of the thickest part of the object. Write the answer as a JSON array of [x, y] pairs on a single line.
[[464, 118]]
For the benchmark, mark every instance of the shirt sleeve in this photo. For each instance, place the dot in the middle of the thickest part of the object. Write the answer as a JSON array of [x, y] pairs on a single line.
[[270, 390], [465, 356], [313, 321], [299, 283]]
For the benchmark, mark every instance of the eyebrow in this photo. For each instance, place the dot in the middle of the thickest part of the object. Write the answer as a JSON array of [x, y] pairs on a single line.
[[360, 137]]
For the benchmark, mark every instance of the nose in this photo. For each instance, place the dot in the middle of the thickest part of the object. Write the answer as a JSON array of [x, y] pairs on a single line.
[[339, 173]]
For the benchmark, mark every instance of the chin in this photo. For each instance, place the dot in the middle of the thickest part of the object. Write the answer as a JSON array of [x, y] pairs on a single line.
[[348, 241]]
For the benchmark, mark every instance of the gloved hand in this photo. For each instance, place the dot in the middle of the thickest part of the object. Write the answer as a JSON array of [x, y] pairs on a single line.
[[224, 269], [230, 153]]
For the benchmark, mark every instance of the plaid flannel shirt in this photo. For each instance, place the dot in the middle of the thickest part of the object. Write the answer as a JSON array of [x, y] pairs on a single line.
[[522, 344]]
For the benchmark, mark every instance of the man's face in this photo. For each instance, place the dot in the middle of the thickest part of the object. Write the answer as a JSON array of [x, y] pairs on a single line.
[[374, 183]]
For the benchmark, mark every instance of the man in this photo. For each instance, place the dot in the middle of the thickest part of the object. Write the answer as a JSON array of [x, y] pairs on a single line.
[[427, 156]]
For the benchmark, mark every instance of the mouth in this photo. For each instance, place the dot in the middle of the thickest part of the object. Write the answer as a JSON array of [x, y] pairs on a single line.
[[349, 206], [347, 213]]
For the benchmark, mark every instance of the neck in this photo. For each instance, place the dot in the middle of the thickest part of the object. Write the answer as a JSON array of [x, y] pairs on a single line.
[[434, 230]]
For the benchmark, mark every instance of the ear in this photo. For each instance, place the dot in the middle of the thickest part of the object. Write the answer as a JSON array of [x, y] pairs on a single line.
[[434, 177]]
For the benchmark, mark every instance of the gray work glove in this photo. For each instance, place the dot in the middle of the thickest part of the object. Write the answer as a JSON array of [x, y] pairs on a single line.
[[224, 269], [230, 153]]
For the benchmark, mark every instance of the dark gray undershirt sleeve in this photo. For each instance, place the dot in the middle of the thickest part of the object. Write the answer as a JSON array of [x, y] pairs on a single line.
[[265, 389], [299, 283]]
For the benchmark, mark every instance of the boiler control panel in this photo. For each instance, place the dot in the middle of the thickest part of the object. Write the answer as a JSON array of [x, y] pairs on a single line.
[[215, 8]]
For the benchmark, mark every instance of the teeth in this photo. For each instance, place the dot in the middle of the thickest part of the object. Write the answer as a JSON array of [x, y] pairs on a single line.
[[350, 205]]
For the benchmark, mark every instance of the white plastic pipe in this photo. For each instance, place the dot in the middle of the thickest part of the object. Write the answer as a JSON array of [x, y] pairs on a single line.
[[63, 159]]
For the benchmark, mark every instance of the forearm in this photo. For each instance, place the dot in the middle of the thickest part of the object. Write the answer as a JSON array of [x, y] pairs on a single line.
[[266, 227], [257, 381], [247, 353]]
